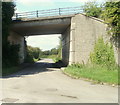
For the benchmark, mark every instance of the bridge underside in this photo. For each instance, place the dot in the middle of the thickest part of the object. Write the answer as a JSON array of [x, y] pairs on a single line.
[[42, 26], [45, 26]]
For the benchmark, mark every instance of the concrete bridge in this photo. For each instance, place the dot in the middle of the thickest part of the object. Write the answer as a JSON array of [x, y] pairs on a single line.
[[79, 34]]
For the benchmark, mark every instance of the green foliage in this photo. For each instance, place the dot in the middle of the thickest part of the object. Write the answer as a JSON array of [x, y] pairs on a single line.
[[34, 51], [96, 73], [10, 55], [109, 12], [29, 59], [54, 53], [32, 54], [103, 54], [9, 70], [92, 9], [111, 15], [7, 13]]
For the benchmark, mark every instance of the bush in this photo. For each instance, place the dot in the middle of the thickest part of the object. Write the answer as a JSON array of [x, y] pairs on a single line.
[[10, 55], [111, 15], [11, 58], [103, 54], [92, 9], [29, 59], [32, 54]]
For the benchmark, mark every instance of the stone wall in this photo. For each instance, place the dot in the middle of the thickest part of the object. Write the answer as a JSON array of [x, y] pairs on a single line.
[[15, 38], [84, 32]]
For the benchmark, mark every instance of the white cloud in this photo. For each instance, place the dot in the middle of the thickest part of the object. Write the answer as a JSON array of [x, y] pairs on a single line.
[[44, 42]]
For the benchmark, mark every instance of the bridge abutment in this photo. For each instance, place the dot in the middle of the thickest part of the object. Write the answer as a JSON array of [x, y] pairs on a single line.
[[17, 39], [66, 45], [84, 32]]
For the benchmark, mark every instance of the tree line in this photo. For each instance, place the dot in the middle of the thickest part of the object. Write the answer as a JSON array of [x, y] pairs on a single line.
[[10, 56], [34, 54]]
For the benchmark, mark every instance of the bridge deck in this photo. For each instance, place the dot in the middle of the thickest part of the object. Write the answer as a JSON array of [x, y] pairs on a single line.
[[53, 21], [42, 26], [48, 13], [43, 18]]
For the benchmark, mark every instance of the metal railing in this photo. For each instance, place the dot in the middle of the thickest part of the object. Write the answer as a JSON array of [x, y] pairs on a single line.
[[50, 12]]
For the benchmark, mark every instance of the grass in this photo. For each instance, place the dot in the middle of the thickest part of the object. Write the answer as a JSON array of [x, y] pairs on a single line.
[[96, 73], [35, 60], [9, 70]]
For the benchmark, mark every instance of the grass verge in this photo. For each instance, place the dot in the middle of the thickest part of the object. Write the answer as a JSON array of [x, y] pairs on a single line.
[[100, 74]]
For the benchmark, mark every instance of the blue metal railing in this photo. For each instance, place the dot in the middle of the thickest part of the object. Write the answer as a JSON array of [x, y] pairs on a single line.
[[50, 12]]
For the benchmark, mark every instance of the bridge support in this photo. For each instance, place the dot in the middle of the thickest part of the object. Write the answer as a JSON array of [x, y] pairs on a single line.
[[68, 44], [84, 32], [15, 38], [80, 37]]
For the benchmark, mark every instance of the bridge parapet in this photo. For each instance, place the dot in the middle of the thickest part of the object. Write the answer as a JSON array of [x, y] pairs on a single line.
[[48, 13]]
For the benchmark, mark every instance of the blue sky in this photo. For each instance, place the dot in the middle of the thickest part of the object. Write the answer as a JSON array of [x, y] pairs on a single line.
[[48, 41], [33, 5]]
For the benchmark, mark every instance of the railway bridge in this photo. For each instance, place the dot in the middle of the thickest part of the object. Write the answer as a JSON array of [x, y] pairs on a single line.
[[79, 32]]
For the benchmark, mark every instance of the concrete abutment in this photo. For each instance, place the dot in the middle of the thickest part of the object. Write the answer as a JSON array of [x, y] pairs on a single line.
[[15, 38], [80, 40]]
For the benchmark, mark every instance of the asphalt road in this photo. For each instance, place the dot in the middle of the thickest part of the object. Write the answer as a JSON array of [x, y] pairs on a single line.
[[40, 83]]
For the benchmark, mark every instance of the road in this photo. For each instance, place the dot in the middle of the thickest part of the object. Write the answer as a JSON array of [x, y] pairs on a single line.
[[40, 83]]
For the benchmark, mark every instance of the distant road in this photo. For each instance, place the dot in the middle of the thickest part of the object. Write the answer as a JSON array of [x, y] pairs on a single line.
[[40, 83]]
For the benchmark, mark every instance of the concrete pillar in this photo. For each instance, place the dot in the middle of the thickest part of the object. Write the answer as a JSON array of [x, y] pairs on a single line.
[[72, 42], [66, 45], [15, 38]]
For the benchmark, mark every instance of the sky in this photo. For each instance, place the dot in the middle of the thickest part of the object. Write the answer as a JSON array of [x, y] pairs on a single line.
[[33, 5], [45, 42]]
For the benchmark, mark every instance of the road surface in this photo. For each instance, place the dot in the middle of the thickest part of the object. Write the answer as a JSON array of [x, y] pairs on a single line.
[[40, 83]]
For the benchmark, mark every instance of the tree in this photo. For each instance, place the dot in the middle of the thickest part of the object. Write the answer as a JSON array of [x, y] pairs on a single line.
[[32, 52], [54, 51], [92, 9], [111, 15], [36, 52], [7, 13], [10, 56]]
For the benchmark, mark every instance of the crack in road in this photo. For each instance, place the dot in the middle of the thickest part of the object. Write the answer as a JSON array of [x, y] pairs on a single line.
[[69, 96], [9, 100]]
